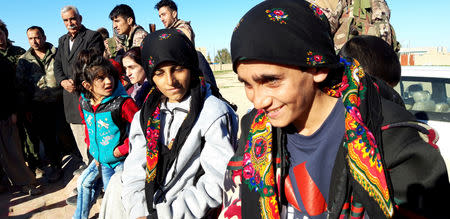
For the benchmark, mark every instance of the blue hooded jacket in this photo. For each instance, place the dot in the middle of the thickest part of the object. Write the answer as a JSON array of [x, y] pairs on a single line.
[[105, 126]]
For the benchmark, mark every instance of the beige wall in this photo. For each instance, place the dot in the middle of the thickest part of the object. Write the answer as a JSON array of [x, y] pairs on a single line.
[[426, 56], [222, 67], [432, 59]]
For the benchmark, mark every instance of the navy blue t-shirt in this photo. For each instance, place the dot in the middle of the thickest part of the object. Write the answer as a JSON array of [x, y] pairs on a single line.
[[312, 159]]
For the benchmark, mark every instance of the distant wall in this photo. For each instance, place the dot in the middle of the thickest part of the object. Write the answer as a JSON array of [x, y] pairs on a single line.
[[424, 56], [221, 67]]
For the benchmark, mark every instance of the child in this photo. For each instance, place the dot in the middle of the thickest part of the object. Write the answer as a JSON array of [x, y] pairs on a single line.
[[323, 141], [182, 138], [107, 111]]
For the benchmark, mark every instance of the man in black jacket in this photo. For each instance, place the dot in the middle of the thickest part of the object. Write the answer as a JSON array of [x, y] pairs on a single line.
[[78, 38]]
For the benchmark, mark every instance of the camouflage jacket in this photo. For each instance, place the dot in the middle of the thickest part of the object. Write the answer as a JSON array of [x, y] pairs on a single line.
[[184, 26], [12, 54], [349, 18], [134, 39], [36, 79]]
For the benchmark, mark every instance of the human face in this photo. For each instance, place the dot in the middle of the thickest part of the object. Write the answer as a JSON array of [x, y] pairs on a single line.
[[135, 72], [167, 16], [3, 41], [122, 25], [36, 39], [285, 93], [172, 80], [72, 21], [101, 87]]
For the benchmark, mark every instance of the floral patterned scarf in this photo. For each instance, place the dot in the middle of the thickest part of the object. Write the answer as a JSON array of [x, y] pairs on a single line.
[[364, 157]]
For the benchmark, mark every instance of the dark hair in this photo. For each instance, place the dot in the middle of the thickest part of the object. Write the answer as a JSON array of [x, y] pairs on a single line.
[[91, 65], [104, 32], [4, 29], [376, 57], [169, 3], [37, 28], [122, 10], [135, 54]]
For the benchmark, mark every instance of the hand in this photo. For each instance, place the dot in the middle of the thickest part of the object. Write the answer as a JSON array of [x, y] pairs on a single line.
[[117, 153], [29, 116], [68, 85], [97, 163], [14, 118]]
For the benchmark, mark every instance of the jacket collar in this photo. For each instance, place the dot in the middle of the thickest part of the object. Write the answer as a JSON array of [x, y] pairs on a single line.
[[78, 39], [50, 52], [119, 91]]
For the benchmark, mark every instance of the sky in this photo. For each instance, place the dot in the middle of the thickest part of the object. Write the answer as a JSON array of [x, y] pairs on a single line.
[[416, 23]]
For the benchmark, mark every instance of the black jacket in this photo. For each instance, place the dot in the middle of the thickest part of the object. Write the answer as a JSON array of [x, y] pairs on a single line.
[[417, 175], [64, 62]]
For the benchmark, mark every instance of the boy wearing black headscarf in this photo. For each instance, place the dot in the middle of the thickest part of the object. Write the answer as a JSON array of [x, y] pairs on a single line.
[[323, 141]]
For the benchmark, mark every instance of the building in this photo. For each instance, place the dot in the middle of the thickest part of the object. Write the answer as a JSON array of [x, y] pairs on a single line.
[[424, 56]]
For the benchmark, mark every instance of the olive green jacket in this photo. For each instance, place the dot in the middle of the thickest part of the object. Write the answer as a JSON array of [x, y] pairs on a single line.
[[36, 79]]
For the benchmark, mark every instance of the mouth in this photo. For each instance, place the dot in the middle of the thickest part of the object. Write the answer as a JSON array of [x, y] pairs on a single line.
[[274, 112], [109, 89], [175, 89]]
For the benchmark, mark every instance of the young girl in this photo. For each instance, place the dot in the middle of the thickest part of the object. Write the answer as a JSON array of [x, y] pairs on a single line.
[[107, 111], [181, 139]]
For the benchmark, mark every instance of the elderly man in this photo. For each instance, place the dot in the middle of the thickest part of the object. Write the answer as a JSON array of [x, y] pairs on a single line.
[[168, 13], [41, 96], [69, 45], [124, 23]]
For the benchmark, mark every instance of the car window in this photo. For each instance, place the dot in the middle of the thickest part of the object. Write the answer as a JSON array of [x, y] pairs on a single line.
[[426, 97]]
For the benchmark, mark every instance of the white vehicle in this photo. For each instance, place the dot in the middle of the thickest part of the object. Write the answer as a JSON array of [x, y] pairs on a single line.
[[426, 93]]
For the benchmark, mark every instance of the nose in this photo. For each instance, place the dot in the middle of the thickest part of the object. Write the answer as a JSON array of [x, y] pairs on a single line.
[[169, 79], [260, 99], [107, 80]]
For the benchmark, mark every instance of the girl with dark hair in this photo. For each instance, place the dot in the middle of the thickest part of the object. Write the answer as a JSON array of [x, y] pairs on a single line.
[[131, 61], [182, 138], [377, 57], [107, 112]]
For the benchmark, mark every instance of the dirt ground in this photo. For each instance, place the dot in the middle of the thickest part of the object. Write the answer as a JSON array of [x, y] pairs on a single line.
[[51, 203]]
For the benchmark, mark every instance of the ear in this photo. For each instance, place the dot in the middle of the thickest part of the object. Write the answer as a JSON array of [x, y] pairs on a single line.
[[174, 14], [86, 85], [81, 18], [320, 74], [130, 21]]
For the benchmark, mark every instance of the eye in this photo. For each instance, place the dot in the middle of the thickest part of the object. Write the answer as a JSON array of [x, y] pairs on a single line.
[[272, 81], [179, 69], [158, 73], [247, 85]]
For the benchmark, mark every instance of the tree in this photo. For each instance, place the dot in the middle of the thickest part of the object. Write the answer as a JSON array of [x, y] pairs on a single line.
[[208, 59], [223, 56]]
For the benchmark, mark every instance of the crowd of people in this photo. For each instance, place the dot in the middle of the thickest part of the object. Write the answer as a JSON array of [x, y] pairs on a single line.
[[328, 137]]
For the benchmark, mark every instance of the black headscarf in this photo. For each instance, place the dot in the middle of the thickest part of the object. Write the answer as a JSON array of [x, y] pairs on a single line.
[[169, 45], [289, 32]]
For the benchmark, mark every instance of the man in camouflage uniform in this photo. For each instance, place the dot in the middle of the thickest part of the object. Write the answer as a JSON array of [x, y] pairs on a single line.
[[12, 162], [124, 24], [7, 50], [42, 96], [350, 18], [168, 13]]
